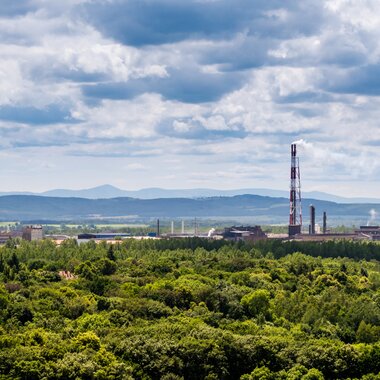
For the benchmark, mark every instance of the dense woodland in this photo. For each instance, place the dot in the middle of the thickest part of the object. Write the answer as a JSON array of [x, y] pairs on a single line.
[[190, 309]]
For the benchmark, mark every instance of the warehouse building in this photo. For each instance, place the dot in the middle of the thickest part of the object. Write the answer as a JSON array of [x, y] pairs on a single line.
[[31, 233], [247, 233]]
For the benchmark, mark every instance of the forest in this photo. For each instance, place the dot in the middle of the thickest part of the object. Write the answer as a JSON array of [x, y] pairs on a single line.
[[189, 309]]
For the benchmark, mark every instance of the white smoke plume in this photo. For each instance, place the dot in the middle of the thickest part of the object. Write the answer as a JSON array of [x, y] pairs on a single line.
[[211, 232], [373, 214], [301, 142], [321, 154], [305, 145]]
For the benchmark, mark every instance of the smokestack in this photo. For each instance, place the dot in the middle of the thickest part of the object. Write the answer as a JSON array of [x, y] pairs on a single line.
[[183, 227], [158, 227], [312, 220], [324, 222], [295, 212], [172, 228]]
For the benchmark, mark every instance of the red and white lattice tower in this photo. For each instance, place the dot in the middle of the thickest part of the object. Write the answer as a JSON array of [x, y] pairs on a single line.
[[295, 213]]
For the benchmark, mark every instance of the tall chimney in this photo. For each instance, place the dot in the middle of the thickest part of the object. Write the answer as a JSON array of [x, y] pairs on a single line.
[[324, 222], [312, 220], [158, 227]]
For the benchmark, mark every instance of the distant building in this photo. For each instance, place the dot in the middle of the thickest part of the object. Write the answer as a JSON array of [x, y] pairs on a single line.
[[247, 233], [4, 237], [31, 233], [371, 232], [103, 236]]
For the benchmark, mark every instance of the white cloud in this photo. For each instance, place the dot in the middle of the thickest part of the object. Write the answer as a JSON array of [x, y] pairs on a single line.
[[290, 89], [214, 123], [136, 166]]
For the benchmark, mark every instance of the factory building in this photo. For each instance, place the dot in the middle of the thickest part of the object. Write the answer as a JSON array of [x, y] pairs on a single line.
[[31, 233], [4, 237], [371, 232], [103, 236], [248, 233]]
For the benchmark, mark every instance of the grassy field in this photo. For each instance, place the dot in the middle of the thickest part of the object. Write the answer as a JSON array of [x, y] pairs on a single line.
[[5, 224], [113, 226]]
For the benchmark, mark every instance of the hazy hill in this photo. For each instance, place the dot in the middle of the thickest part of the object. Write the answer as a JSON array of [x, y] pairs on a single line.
[[109, 191], [259, 209]]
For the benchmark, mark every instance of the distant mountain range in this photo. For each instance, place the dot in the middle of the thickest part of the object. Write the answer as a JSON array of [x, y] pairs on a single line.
[[250, 208], [109, 191]]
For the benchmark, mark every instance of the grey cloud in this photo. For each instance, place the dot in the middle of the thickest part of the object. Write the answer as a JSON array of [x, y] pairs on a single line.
[[12, 8], [307, 112], [373, 142], [345, 50], [114, 150], [186, 85], [52, 114], [305, 97], [155, 22], [143, 22], [364, 80], [195, 130], [25, 136], [112, 90], [39, 138], [246, 52], [62, 73]]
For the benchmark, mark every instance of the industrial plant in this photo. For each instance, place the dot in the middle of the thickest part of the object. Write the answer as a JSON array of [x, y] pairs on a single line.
[[295, 228], [295, 213]]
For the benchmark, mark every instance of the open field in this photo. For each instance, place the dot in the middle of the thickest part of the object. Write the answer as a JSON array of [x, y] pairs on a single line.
[[112, 226], [4, 224]]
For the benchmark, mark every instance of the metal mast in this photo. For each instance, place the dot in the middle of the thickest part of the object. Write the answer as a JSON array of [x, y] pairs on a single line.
[[295, 213]]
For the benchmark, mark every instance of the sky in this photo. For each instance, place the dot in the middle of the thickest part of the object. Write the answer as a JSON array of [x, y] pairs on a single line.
[[190, 94]]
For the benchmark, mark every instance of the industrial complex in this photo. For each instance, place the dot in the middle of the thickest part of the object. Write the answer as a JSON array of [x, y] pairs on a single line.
[[295, 213], [295, 230]]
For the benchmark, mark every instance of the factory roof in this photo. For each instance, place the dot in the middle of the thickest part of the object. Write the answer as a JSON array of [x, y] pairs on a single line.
[[103, 235]]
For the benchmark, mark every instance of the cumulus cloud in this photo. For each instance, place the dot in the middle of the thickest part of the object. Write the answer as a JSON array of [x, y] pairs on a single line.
[[215, 86]]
